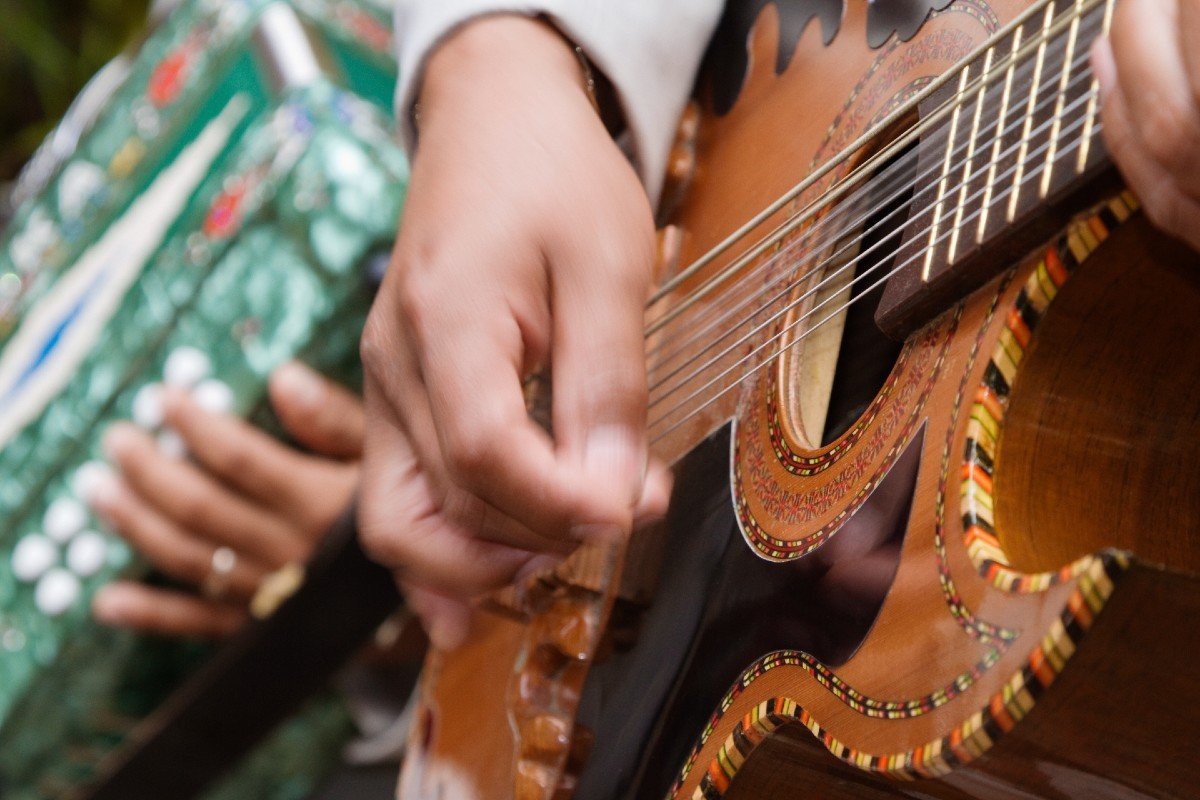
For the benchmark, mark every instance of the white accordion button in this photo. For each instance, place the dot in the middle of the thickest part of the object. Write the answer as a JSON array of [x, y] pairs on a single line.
[[56, 592], [89, 477], [87, 554], [64, 518], [171, 444], [33, 555], [148, 407], [215, 396], [185, 367]]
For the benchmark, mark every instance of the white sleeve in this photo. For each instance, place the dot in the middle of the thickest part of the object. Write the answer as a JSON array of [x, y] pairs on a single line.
[[648, 49]]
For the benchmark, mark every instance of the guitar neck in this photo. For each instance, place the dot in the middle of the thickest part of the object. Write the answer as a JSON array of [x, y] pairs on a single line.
[[1015, 152]]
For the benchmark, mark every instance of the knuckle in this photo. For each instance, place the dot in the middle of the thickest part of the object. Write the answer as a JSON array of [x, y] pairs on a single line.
[[416, 298], [470, 451], [196, 512], [381, 541], [374, 345], [622, 389], [232, 460], [1170, 134]]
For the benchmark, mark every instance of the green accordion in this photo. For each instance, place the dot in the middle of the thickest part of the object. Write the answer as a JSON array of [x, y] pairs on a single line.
[[216, 220]]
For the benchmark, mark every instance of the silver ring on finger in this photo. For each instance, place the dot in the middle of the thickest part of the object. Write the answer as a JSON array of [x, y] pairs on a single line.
[[216, 583]]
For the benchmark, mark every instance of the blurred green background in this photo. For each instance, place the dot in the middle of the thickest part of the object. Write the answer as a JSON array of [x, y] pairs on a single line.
[[48, 50]]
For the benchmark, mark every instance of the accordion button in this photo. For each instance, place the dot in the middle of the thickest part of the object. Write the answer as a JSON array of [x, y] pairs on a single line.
[[148, 407], [56, 592], [185, 367], [215, 396], [88, 478], [87, 554], [33, 555], [64, 518]]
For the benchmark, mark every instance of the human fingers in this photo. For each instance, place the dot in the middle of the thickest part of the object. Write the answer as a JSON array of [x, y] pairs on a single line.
[[253, 463], [656, 494], [468, 358], [1160, 194], [158, 611], [318, 413], [402, 408], [198, 504], [599, 403], [446, 618], [165, 545], [404, 528], [1149, 67], [492, 449], [1144, 62]]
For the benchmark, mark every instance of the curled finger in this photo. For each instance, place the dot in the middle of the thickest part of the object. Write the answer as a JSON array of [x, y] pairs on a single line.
[[151, 610]]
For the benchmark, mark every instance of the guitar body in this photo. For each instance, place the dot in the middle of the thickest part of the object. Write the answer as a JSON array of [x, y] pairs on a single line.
[[972, 575]]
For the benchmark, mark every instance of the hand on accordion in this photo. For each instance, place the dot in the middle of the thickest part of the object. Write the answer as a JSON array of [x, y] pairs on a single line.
[[243, 506]]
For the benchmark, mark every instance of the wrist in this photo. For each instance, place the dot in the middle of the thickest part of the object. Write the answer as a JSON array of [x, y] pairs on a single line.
[[500, 56]]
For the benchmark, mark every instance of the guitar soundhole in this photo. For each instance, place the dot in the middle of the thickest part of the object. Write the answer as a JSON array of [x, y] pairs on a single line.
[[866, 356], [844, 358]]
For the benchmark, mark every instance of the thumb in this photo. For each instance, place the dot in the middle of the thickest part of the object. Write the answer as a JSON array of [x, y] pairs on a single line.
[[446, 619], [318, 413]]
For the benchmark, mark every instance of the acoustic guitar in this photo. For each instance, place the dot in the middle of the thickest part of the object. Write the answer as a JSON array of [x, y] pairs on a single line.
[[965, 556]]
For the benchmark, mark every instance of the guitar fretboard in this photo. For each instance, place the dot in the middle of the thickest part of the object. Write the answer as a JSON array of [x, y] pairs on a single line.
[[1017, 134]]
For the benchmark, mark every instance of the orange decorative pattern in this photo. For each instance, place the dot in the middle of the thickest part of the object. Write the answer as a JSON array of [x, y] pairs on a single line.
[[974, 735]]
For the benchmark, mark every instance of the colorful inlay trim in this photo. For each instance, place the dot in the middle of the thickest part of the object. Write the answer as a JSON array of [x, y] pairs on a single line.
[[1056, 266], [965, 742], [896, 420], [972, 625]]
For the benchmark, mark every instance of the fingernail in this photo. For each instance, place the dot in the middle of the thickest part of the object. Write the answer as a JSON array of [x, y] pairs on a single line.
[[89, 477], [611, 455], [299, 383], [111, 605], [116, 442], [1103, 66], [104, 492]]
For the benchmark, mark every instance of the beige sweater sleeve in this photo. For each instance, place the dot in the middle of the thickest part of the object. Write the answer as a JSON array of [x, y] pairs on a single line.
[[648, 49]]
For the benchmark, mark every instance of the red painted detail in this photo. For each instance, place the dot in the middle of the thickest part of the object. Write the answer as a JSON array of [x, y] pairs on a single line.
[[170, 75], [225, 214]]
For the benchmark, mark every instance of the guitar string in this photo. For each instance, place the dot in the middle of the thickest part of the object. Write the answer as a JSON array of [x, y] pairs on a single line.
[[823, 201], [771, 358], [1044, 37], [895, 185], [858, 278], [862, 141], [790, 270], [870, 164], [815, 249]]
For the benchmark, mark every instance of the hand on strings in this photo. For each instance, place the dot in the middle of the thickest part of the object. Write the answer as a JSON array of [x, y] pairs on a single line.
[[526, 245], [1149, 73], [242, 498]]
